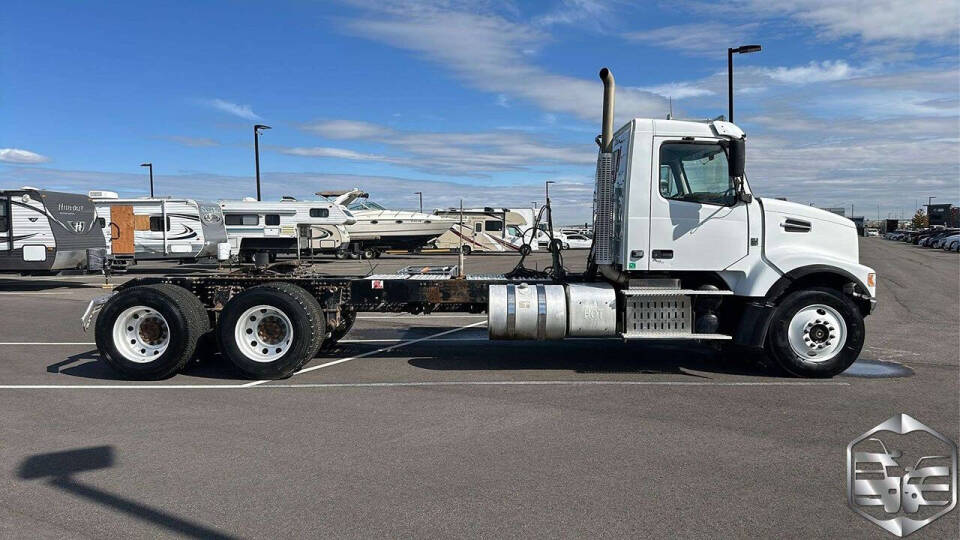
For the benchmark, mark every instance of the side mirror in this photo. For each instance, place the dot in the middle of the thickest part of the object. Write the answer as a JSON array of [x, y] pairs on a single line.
[[737, 158]]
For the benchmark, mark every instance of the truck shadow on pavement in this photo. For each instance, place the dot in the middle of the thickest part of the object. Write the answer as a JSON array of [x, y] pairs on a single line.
[[593, 356], [59, 468], [26, 285], [88, 365]]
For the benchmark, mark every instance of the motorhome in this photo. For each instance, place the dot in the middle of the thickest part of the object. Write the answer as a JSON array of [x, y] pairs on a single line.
[[494, 230], [159, 229], [287, 226], [379, 229], [46, 231]]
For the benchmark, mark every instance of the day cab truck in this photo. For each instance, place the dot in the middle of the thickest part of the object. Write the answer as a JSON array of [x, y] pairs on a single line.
[[682, 250]]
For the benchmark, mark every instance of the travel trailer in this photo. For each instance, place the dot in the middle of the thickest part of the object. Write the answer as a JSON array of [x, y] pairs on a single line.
[[47, 231], [287, 226], [160, 229], [486, 229], [378, 229]]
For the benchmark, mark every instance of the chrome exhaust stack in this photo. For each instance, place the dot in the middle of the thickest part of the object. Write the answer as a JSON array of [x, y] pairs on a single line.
[[609, 89], [603, 250]]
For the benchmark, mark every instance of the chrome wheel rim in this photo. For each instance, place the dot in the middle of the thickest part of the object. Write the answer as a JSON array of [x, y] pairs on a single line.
[[141, 334], [817, 333], [263, 333]]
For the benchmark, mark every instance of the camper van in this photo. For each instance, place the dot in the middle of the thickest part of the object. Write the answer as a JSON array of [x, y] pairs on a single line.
[[159, 229], [287, 226], [46, 231], [494, 230]]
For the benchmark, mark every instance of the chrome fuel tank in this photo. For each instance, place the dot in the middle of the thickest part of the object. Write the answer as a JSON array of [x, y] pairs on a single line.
[[526, 311]]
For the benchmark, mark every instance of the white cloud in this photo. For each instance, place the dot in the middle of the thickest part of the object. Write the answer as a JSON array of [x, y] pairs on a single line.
[[875, 20], [701, 39], [16, 155], [679, 90], [467, 153], [813, 72], [494, 54], [242, 111]]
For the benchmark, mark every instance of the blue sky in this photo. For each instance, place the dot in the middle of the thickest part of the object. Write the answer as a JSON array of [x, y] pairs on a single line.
[[848, 103]]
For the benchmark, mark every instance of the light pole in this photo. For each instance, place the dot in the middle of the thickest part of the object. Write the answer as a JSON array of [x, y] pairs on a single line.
[[929, 202], [743, 49], [256, 152], [151, 176], [420, 194], [546, 186]]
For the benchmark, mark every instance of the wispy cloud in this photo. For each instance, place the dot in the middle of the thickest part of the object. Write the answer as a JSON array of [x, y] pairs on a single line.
[[194, 142], [499, 57], [679, 90], [466, 153], [699, 39], [241, 111], [813, 72], [17, 155]]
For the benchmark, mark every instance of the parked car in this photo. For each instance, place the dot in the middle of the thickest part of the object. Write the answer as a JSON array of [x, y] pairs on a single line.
[[949, 242]]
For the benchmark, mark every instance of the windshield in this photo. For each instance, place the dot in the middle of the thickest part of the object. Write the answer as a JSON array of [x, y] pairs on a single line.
[[365, 205]]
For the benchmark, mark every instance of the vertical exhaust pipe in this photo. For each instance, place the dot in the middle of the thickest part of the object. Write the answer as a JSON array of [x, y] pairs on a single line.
[[609, 87]]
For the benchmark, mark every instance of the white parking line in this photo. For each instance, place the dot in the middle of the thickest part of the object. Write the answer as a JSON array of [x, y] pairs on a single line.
[[47, 343], [371, 353]]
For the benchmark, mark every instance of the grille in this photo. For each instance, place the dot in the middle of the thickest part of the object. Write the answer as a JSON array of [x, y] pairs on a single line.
[[657, 315], [603, 210]]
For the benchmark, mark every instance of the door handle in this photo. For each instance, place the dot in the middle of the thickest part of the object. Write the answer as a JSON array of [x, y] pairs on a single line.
[[662, 254]]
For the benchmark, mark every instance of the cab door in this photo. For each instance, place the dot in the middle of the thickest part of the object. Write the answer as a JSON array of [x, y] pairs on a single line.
[[696, 219]]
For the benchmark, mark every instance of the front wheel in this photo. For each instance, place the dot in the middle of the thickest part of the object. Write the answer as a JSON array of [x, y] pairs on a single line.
[[816, 332]]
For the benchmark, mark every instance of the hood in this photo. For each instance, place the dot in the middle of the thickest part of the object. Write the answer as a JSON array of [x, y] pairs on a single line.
[[800, 210]]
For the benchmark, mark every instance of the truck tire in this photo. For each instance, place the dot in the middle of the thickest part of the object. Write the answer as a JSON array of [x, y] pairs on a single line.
[[347, 318], [271, 330], [151, 331], [815, 333]]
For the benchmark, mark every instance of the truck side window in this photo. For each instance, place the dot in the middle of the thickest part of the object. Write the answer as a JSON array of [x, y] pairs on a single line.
[[156, 223], [271, 219], [4, 217], [696, 172]]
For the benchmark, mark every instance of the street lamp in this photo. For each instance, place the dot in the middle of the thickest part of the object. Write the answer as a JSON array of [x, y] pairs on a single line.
[[546, 186], [256, 152], [744, 49], [929, 202], [420, 194], [151, 176]]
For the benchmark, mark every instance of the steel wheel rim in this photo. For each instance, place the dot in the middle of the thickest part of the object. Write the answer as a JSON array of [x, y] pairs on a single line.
[[141, 334], [817, 333], [263, 333]]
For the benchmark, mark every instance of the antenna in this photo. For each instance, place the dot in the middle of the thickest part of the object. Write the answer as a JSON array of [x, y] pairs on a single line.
[[670, 114]]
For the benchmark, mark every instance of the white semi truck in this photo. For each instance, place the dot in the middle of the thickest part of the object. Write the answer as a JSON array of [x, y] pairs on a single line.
[[682, 250]]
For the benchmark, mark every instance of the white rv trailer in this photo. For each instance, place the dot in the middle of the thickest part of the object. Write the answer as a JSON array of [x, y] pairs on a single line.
[[160, 228], [487, 229], [288, 226], [46, 231]]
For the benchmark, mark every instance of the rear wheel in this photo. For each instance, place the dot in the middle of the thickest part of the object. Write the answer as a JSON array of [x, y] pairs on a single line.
[[816, 333], [151, 331], [465, 250], [271, 330]]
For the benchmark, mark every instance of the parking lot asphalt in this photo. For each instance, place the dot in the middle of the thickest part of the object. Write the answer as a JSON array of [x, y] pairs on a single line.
[[418, 426]]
